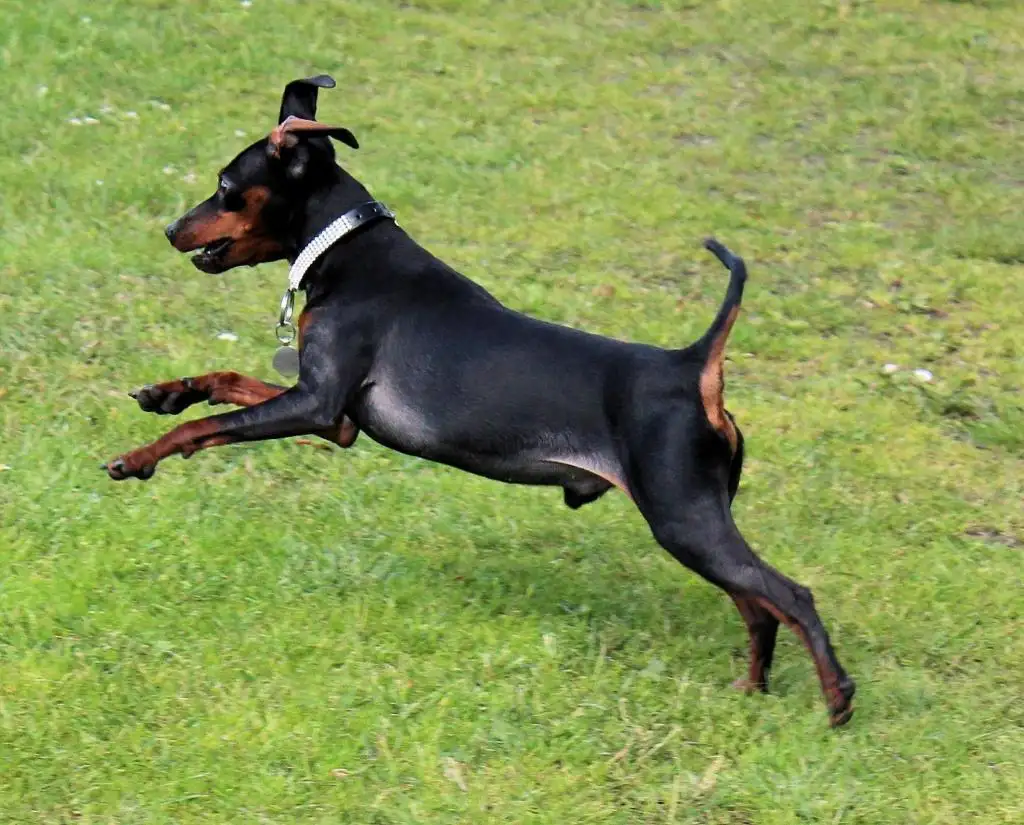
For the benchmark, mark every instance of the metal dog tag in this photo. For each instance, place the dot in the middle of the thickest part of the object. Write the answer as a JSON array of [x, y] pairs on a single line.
[[286, 361]]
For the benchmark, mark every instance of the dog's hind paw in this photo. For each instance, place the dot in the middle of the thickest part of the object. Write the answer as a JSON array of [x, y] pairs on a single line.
[[840, 708], [119, 469]]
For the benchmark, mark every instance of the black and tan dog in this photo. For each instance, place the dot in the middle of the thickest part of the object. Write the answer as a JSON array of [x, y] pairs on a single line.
[[396, 343]]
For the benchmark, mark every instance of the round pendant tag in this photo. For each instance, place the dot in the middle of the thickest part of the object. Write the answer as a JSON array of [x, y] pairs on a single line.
[[286, 361]]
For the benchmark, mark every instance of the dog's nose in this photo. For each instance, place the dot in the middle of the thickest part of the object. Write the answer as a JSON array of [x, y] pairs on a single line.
[[171, 231]]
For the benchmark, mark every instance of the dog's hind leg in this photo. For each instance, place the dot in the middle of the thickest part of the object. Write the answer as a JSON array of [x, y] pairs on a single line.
[[762, 627], [684, 496]]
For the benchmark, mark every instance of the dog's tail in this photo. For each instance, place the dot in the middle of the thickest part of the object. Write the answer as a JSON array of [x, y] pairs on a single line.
[[712, 344]]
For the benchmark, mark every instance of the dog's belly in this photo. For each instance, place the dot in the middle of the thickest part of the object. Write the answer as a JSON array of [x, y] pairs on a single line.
[[515, 457]]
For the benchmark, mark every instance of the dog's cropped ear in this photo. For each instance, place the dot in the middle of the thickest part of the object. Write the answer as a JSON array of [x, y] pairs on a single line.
[[286, 141], [299, 98], [288, 133]]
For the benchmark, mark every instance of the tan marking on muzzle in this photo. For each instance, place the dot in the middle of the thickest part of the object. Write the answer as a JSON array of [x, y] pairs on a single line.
[[233, 225]]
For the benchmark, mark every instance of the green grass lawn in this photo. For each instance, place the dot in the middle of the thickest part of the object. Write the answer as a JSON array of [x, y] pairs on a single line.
[[275, 634]]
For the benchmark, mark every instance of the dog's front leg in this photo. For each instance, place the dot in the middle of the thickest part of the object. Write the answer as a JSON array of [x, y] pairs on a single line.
[[314, 406], [293, 412], [173, 397]]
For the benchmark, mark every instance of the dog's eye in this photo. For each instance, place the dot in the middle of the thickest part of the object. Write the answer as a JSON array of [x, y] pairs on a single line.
[[232, 200]]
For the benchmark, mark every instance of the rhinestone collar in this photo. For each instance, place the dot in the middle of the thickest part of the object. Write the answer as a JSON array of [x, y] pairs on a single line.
[[328, 237]]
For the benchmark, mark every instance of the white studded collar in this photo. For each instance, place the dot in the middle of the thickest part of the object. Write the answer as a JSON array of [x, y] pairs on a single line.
[[324, 240], [334, 232]]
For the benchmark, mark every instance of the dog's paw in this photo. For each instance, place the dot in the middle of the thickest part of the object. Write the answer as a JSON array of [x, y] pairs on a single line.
[[840, 706], [169, 398], [124, 467]]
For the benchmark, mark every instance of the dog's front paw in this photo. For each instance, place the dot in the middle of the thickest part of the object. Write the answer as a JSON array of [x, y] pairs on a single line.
[[169, 398], [130, 466]]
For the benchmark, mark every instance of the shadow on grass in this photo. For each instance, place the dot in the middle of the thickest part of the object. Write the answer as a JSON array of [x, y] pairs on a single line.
[[637, 599]]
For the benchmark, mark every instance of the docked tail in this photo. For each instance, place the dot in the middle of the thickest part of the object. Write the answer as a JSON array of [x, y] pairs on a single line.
[[720, 327], [712, 345]]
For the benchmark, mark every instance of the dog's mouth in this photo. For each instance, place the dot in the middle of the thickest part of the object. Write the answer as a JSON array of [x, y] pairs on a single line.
[[211, 258]]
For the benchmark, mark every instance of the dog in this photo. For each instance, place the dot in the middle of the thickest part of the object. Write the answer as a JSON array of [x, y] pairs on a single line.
[[395, 343]]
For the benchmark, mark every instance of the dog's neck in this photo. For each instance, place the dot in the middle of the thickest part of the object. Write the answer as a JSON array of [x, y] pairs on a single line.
[[338, 197], [340, 193]]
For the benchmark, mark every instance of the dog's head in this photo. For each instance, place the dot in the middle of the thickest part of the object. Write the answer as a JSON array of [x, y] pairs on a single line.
[[247, 220]]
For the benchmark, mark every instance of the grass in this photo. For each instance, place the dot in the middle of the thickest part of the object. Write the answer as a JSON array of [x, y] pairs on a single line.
[[278, 634]]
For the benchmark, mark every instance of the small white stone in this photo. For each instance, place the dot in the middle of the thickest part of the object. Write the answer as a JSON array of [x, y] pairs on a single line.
[[189, 178], [89, 121], [227, 336], [239, 133], [889, 369], [87, 20], [131, 115], [99, 182], [923, 374], [168, 170], [74, 121]]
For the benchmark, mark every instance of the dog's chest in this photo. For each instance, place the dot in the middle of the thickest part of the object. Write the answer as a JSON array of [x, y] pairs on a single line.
[[390, 415]]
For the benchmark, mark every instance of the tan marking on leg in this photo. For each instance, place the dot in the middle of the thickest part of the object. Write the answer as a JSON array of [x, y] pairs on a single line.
[[828, 678], [244, 391], [757, 675]]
